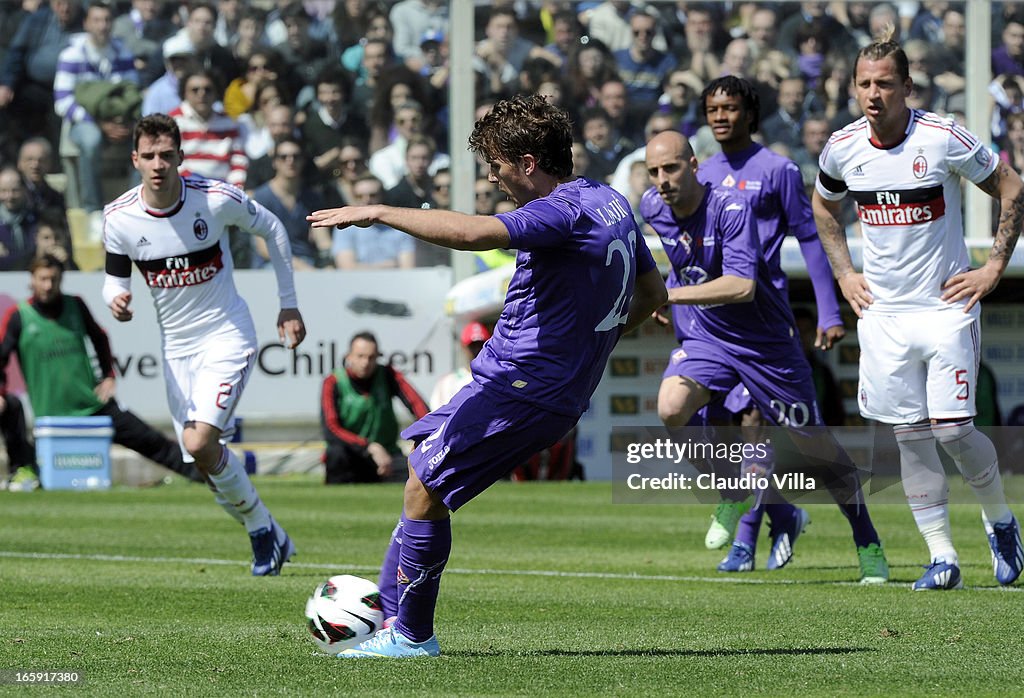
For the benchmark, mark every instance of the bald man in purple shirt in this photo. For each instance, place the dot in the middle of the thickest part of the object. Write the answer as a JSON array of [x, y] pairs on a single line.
[[736, 325], [583, 277]]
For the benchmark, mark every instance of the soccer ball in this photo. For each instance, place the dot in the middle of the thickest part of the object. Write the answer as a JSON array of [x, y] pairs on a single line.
[[342, 612]]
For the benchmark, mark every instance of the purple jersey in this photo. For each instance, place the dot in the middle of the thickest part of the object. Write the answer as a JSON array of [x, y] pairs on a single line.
[[720, 239], [579, 255], [775, 188]]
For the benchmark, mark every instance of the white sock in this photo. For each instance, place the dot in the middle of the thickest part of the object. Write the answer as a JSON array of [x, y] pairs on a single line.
[[976, 458], [234, 485], [926, 488]]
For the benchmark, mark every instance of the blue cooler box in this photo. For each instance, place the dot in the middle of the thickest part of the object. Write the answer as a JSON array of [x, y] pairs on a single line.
[[73, 453]]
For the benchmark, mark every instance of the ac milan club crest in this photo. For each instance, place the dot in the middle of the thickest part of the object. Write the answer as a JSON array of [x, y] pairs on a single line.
[[200, 229], [920, 166]]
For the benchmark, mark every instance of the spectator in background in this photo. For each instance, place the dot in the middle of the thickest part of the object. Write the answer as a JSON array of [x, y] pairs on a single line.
[[280, 124], [30, 66], [657, 123], [53, 238], [263, 65], [815, 12], [681, 99], [388, 163], [813, 136], [229, 19], [500, 56], [566, 31], [165, 93], [256, 137], [927, 23], [641, 66], [143, 30], [376, 246], [251, 34], [314, 27], [377, 57], [784, 125], [603, 148], [472, 339], [358, 417], [329, 121], [396, 86], [627, 126], [210, 139], [414, 190], [590, 66], [351, 164], [35, 161], [378, 26], [17, 222], [305, 54], [608, 22], [947, 56], [62, 383], [92, 58], [1012, 152], [411, 19], [699, 53], [351, 20], [880, 17], [1008, 59], [198, 32], [763, 31], [442, 190], [287, 198]]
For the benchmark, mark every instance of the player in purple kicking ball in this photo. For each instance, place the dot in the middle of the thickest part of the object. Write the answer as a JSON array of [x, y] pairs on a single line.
[[583, 277], [737, 327]]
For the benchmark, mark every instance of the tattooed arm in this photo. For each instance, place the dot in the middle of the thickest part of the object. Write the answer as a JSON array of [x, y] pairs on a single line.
[[1003, 184], [854, 287]]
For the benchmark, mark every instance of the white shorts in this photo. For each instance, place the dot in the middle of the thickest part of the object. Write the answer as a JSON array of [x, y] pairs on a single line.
[[918, 366], [206, 386]]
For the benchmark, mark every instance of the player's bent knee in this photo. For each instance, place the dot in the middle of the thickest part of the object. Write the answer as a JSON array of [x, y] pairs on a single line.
[[201, 441], [420, 502]]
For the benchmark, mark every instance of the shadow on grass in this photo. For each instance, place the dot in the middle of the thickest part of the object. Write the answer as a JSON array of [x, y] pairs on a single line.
[[784, 651]]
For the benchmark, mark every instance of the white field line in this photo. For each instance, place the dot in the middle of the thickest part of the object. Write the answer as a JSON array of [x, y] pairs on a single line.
[[328, 567]]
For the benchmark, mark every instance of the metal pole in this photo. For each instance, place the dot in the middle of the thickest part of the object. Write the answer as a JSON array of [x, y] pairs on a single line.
[[461, 106], [978, 69]]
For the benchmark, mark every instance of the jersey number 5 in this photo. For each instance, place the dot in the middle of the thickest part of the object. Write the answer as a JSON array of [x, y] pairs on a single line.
[[620, 308]]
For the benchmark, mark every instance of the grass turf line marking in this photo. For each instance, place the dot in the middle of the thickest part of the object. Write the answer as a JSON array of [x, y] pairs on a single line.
[[456, 570]]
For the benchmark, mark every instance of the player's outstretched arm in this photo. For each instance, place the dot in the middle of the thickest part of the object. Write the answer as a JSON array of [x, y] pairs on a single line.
[[723, 290], [649, 294], [451, 229], [290, 328], [1003, 184], [852, 283]]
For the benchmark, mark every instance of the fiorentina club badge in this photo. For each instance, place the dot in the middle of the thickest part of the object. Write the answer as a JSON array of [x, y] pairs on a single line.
[[685, 240]]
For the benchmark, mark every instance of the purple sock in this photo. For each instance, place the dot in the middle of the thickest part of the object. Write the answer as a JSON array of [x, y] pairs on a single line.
[[864, 532], [845, 488], [750, 525], [424, 553], [388, 580]]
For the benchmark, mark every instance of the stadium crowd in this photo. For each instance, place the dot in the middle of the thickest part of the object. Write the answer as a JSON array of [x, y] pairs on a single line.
[[353, 94]]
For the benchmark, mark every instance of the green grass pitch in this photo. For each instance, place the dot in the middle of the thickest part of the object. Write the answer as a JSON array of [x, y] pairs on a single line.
[[551, 590]]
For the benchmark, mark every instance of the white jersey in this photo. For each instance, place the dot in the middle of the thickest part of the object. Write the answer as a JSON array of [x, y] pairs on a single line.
[[908, 201], [184, 256]]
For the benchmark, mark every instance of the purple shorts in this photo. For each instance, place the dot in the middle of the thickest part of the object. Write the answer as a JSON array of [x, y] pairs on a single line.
[[782, 388], [476, 439]]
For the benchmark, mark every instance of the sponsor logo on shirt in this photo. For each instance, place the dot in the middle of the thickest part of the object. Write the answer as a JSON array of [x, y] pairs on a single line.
[[750, 185], [186, 270], [858, 171], [143, 242], [900, 208]]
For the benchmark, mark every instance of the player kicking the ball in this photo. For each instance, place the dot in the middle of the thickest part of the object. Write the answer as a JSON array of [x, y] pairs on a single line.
[[583, 277], [917, 298], [175, 231]]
